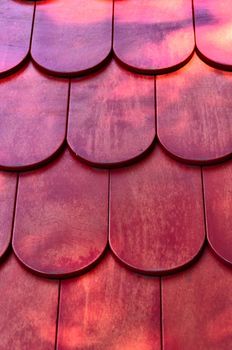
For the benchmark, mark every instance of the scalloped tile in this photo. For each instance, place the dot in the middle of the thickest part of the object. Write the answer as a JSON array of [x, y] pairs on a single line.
[[112, 116], [153, 36], [213, 21], [61, 217], [218, 203], [7, 201], [156, 214], [32, 118], [194, 113], [72, 37], [15, 33]]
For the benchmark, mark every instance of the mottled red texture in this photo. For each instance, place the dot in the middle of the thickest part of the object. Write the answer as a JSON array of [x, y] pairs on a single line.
[[156, 214], [72, 92], [197, 307], [32, 118], [61, 217], [15, 33], [218, 202], [7, 199], [194, 113], [110, 308], [28, 309], [152, 36], [112, 116], [213, 21], [72, 37]]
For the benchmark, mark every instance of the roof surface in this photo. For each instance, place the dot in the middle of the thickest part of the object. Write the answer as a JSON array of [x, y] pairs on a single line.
[[116, 175]]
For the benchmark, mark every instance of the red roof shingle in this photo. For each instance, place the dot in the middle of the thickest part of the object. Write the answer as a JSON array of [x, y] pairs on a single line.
[[115, 181]]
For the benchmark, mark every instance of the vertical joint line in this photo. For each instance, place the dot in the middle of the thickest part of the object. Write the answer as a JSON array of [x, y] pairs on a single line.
[[15, 204], [203, 201], [194, 23], [68, 107], [32, 27], [161, 316], [57, 315], [109, 202], [155, 105], [112, 37]]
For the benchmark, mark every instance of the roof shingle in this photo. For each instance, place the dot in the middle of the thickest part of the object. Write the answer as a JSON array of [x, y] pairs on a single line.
[[82, 87]]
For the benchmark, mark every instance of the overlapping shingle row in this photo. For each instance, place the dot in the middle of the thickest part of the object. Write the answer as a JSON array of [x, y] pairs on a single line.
[[193, 116], [104, 166], [156, 214], [111, 307], [151, 37]]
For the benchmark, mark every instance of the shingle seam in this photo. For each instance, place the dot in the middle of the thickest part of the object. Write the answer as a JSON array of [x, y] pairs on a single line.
[[8, 246], [204, 203], [35, 166], [113, 14], [87, 73], [156, 109], [78, 74], [32, 28], [160, 71], [221, 66], [116, 165], [194, 22], [9, 249], [215, 252], [160, 272], [165, 70], [58, 315], [63, 275], [195, 162], [109, 207], [108, 59], [161, 315], [68, 108]]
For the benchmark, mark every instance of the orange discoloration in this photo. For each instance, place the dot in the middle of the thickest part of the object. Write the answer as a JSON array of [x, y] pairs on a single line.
[[112, 116], [109, 308], [156, 222], [61, 217]]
